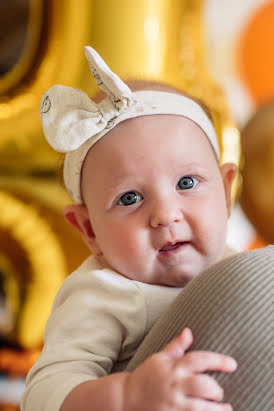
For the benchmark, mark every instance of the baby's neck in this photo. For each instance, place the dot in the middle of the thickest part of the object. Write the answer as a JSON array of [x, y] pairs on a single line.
[[103, 262]]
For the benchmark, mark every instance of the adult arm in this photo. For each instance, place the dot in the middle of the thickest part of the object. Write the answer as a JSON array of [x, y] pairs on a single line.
[[229, 308]]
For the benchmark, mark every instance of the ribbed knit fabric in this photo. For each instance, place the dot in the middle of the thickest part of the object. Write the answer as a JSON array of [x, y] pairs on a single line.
[[230, 309]]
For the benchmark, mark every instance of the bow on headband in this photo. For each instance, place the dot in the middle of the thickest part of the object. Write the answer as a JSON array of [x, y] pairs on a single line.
[[69, 117]]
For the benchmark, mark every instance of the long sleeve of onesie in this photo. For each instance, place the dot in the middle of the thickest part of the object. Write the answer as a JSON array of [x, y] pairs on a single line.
[[98, 318]]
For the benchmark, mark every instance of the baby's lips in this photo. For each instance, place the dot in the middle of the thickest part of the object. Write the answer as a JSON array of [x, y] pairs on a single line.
[[172, 246]]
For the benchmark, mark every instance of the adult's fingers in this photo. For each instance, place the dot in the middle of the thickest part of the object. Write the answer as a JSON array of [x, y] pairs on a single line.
[[201, 361], [177, 347]]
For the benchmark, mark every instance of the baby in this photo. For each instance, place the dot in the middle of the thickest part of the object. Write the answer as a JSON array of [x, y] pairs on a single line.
[[152, 204]]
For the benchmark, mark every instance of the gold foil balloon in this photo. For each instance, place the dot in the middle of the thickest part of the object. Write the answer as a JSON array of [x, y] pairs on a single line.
[[38, 250], [257, 196], [53, 53], [45, 267]]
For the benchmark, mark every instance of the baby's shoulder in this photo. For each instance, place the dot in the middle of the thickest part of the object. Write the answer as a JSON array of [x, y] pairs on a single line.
[[90, 278]]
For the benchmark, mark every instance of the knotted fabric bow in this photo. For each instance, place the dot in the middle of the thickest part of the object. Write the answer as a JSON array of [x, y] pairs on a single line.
[[73, 123]]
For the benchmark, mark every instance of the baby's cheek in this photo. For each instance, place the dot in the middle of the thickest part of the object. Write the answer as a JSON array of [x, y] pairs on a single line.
[[121, 242], [211, 227], [219, 234], [131, 244]]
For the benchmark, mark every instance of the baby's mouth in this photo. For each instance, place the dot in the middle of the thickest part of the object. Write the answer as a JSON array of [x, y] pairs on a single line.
[[171, 247]]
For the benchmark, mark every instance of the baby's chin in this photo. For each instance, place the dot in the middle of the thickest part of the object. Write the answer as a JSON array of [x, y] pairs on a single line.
[[181, 280], [182, 277]]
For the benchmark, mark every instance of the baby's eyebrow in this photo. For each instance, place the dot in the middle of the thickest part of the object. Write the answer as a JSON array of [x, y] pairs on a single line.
[[193, 165], [117, 183], [185, 168], [117, 179]]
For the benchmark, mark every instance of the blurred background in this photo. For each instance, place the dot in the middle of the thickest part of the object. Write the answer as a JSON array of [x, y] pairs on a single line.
[[217, 50]]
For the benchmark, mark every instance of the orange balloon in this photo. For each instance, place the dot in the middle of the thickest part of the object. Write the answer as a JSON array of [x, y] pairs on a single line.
[[256, 54], [258, 242]]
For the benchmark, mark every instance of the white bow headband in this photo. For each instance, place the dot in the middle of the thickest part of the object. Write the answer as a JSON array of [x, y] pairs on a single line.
[[73, 123]]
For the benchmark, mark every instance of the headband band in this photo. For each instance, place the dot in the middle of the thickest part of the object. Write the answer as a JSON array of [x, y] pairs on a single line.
[[73, 123]]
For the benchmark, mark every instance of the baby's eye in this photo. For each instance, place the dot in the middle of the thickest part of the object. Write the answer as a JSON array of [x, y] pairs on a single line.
[[129, 198], [187, 182]]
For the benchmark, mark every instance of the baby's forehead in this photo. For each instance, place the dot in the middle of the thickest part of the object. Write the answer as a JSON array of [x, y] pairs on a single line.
[[143, 137], [153, 125]]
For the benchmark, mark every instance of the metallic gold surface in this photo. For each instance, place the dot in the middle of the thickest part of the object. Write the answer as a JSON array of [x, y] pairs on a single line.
[[257, 196], [48, 197], [27, 59], [11, 289], [47, 250], [47, 265], [59, 59]]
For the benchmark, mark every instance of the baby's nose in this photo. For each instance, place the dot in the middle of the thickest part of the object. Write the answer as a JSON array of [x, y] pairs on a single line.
[[165, 216]]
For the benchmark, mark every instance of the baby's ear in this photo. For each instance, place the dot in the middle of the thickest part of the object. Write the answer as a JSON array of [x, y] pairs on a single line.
[[77, 216], [228, 172]]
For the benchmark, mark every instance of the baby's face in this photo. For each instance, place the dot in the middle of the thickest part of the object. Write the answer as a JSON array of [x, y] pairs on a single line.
[[156, 199]]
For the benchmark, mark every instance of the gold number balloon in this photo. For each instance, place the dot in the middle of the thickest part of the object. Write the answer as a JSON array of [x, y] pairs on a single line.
[[46, 266]]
